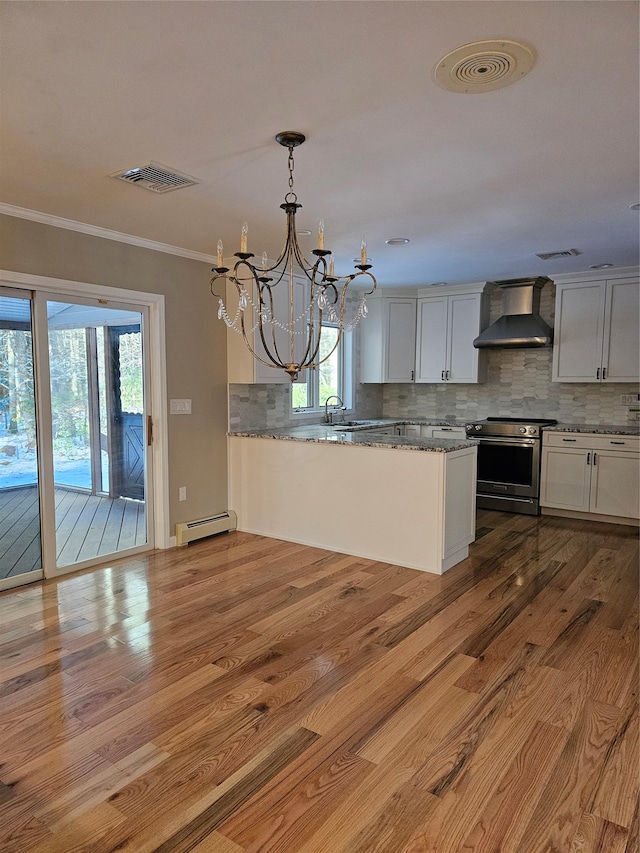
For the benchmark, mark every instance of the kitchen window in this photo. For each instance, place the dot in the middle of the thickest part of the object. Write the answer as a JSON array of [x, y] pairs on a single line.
[[332, 377]]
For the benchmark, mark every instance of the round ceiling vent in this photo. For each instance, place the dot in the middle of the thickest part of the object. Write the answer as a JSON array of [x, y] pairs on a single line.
[[483, 66]]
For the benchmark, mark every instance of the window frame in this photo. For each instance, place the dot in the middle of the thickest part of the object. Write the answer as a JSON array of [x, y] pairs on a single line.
[[346, 353]]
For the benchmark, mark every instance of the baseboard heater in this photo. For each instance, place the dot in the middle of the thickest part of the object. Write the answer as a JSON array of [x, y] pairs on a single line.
[[189, 531]]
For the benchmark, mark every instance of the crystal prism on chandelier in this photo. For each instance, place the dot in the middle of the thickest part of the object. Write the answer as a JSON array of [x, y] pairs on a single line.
[[281, 306]]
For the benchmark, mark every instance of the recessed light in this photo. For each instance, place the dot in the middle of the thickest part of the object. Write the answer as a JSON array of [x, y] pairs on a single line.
[[600, 266], [303, 232], [397, 241], [635, 206], [437, 283]]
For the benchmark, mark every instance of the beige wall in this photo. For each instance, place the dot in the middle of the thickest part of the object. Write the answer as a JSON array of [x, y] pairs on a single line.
[[195, 340]]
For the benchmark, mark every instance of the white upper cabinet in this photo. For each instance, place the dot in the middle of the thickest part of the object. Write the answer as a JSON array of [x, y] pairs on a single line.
[[621, 339], [431, 339], [388, 340], [597, 331], [447, 325], [242, 367]]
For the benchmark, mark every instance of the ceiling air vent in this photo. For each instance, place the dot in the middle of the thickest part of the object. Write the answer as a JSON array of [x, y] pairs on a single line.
[[154, 177], [554, 256], [484, 66]]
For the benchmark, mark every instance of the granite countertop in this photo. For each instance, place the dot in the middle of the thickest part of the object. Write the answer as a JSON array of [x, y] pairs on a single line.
[[597, 429], [361, 437]]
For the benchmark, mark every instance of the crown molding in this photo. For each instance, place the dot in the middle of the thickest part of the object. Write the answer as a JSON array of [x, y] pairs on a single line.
[[104, 233], [595, 275]]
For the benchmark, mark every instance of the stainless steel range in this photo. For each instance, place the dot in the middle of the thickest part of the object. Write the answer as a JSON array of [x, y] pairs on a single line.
[[509, 463]]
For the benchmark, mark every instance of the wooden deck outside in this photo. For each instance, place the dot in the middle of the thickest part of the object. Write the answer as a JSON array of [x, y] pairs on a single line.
[[249, 694], [87, 526]]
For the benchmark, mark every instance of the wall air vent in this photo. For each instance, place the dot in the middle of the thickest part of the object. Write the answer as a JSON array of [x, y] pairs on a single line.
[[155, 177], [554, 256]]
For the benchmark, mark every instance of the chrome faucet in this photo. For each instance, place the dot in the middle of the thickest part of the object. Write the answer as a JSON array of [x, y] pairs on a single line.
[[328, 416]]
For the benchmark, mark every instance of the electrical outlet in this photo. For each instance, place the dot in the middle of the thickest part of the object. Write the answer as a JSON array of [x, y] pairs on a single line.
[[180, 407], [182, 493]]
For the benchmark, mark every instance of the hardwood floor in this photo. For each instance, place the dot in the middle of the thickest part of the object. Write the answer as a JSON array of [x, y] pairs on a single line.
[[86, 526], [248, 694]]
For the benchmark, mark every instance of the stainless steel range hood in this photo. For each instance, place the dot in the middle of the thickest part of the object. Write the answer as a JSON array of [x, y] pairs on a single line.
[[521, 324]]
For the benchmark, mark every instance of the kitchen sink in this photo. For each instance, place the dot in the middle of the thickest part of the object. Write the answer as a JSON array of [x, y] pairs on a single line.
[[340, 424]]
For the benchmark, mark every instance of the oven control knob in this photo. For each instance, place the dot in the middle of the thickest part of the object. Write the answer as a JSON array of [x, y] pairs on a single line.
[[478, 427], [523, 429], [468, 427], [532, 430]]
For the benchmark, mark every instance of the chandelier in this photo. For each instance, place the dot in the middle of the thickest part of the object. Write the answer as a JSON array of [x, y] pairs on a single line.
[[282, 306]]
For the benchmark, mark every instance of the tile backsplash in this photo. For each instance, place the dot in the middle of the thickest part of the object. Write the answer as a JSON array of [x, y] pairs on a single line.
[[269, 406], [518, 383]]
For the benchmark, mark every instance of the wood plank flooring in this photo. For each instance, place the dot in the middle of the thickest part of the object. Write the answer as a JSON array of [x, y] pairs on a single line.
[[87, 526], [248, 695]]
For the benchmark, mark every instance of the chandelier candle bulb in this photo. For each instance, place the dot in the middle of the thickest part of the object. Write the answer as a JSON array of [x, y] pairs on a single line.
[[321, 234], [243, 237], [332, 266], [220, 249], [363, 252], [264, 261]]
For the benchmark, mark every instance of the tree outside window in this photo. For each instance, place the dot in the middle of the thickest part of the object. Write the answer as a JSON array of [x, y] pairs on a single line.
[[325, 380]]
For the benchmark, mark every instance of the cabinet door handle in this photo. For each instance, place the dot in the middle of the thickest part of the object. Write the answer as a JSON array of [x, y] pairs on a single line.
[[442, 376], [595, 456], [618, 442], [447, 374], [413, 375], [598, 373], [589, 458], [604, 372]]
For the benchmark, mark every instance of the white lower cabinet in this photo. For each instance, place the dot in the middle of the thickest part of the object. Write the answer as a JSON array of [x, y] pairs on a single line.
[[591, 473], [448, 432], [431, 431], [413, 430]]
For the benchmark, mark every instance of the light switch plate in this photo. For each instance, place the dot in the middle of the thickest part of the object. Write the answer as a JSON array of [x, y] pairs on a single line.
[[180, 407]]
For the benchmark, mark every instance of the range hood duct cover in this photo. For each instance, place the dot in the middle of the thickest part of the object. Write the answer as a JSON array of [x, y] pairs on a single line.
[[521, 324]]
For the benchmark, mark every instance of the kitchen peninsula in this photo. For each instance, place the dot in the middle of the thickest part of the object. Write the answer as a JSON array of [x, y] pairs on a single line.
[[401, 500]]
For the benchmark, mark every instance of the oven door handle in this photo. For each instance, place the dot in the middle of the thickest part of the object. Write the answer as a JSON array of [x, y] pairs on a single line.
[[509, 441]]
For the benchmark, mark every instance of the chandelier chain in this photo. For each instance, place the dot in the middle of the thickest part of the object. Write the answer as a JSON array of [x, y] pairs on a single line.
[[291, 166], [291, 196]]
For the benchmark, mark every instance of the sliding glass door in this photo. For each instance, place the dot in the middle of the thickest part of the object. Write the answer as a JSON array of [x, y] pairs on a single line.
[[97, 383], [84, 362], [20, 540]]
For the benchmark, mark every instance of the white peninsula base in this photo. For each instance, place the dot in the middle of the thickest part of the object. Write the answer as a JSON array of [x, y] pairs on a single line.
[[408, 508]]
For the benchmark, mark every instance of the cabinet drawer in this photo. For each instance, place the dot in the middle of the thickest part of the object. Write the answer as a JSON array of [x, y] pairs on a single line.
[[591, 441], [448, 432]]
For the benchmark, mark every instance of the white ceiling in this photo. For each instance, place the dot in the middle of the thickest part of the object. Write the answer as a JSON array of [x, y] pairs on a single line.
[[479, 183]]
